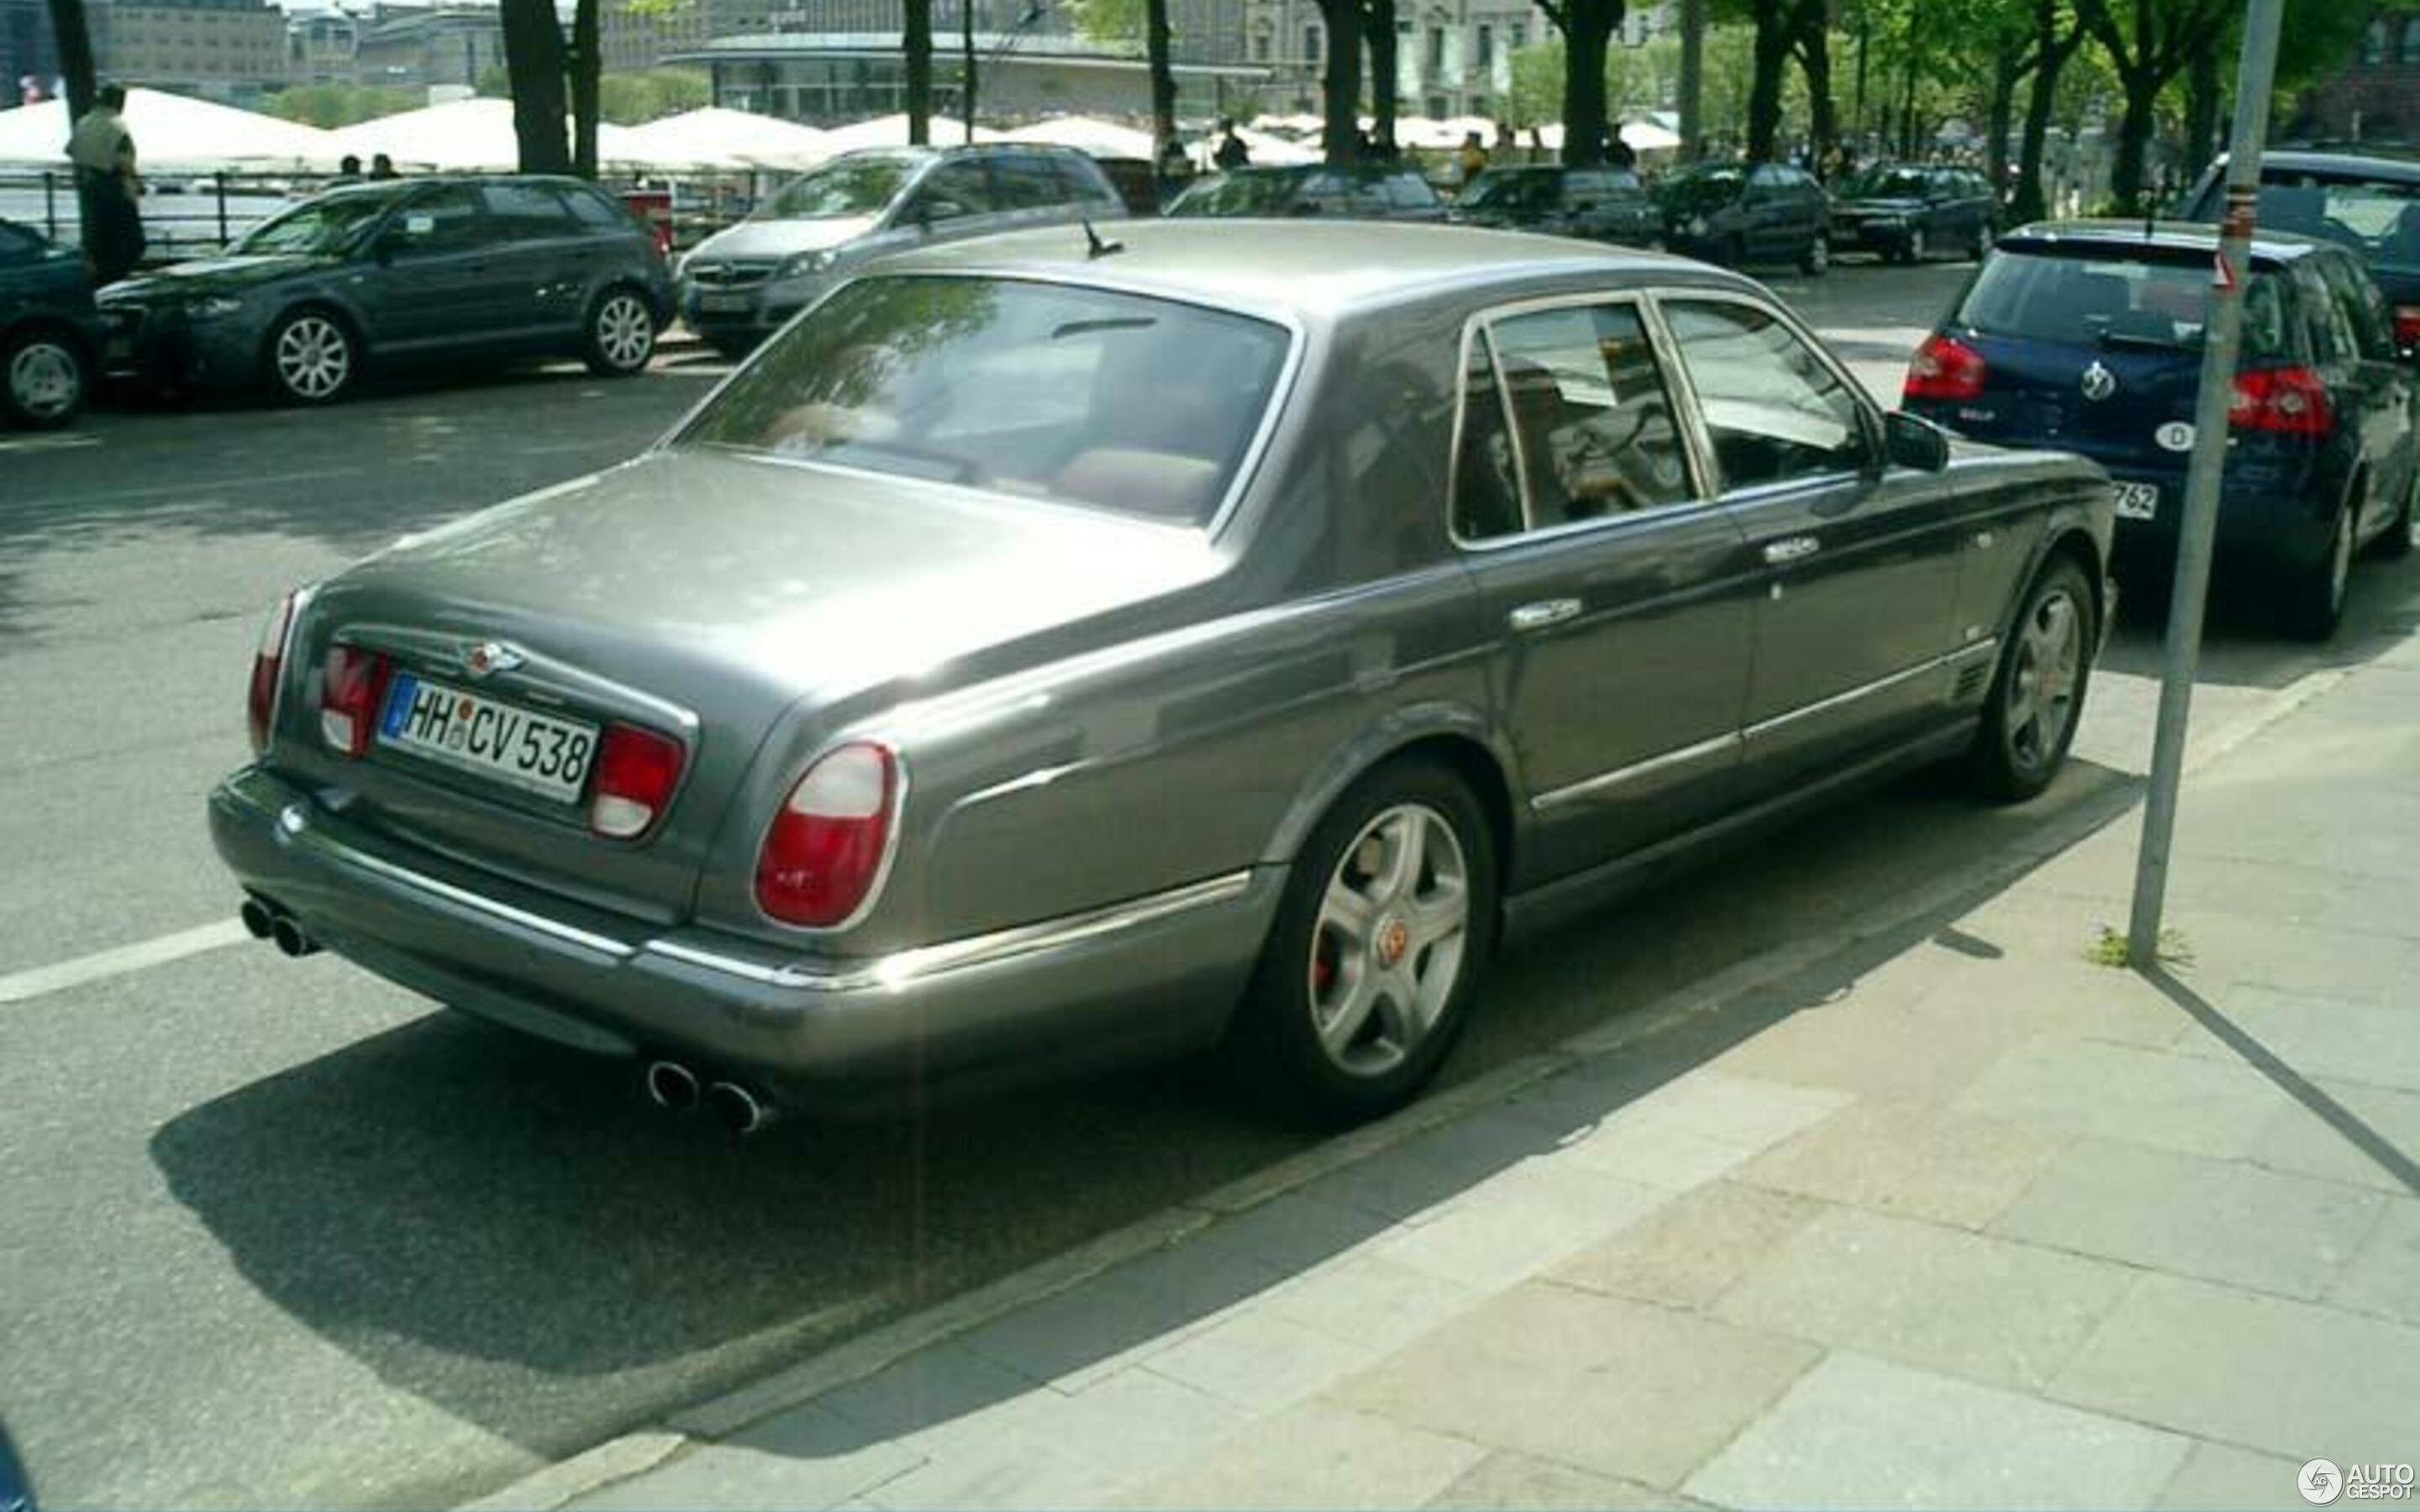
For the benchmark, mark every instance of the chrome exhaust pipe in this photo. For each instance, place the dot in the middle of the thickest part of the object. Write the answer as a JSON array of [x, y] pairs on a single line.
[[259, 919], [739, 1109], [290, 938], [672, 1085]]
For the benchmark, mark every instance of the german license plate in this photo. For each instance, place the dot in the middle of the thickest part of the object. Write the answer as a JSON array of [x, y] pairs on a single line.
[[2138, 501], [722, 303], [534, 752]]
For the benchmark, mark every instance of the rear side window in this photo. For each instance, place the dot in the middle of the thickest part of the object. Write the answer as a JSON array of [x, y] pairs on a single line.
[[1078, 182], [1025, 181], [2364, 307], [520, 211], [2378, 218], [594, 211], [18, 245], [2085, 301]]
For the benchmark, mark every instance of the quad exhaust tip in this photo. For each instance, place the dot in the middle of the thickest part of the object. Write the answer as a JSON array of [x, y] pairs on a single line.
[[259, 921], [672, 1085], [289, 937], [741, 1111]]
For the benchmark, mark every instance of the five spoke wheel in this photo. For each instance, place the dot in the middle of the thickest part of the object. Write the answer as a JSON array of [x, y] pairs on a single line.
[[1388, 946]]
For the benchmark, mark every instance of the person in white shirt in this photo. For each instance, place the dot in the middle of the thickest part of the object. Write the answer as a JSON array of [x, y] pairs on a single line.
[[108, 189]]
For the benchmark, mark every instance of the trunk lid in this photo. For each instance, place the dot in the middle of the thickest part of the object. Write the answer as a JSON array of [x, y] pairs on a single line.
[[2110, 404], [706, 596]]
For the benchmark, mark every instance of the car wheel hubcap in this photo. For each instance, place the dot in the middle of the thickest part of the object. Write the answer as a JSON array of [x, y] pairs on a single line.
[[624, 332], [314, 357], [43, 380], [2042, 688], [1388, 948]]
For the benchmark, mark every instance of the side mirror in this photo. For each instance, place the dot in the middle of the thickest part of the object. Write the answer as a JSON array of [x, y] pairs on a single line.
[[1914, 441], [928, 212]]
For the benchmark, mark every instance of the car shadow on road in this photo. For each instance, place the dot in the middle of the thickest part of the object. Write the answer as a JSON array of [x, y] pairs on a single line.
[[2244, 646], [503, 1230]]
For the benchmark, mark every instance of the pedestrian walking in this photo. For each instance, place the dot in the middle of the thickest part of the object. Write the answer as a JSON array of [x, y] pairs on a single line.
[[1231, 153], [381, 166], [348, 168], [108, 188], [1472, 159]]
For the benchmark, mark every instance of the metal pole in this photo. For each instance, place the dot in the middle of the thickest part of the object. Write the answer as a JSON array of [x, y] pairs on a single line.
[[966, 45], [2221, 330]]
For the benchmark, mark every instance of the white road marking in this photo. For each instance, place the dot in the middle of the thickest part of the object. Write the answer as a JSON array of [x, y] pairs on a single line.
[[49, 444], [116, 962]]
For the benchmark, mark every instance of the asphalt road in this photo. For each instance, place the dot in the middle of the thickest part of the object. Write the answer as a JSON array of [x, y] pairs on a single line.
[[278, 1234]]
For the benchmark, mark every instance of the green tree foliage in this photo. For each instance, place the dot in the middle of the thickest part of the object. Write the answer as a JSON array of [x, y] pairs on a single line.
[[333, 105]]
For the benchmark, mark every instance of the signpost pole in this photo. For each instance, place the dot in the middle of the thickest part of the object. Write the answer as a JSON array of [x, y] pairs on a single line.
[[2221, 334]]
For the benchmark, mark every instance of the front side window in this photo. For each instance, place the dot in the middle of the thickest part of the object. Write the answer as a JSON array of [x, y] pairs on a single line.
[[1773, 410], [325, 226], [961, 187], [1085, 396], [441, 219], [861, 184], [1026, 182], [1585, 422]]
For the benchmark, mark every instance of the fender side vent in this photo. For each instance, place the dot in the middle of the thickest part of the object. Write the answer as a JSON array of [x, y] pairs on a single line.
[[1971, 681]]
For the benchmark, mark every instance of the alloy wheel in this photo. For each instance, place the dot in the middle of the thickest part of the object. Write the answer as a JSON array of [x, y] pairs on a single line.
[[45, 381], [2043, 681], [2340, 560], [1389, 945], [314, 357], [1916, 245], [626, 333]]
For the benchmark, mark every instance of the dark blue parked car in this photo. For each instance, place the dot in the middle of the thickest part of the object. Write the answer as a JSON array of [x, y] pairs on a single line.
[[50, 334], [16, 1489], [2086, 336]]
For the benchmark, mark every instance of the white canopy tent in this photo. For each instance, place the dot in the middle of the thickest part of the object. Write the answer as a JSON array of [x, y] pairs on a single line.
[[892, 131], [460, 134], [175, 131], [1087, 134], [1645, 137], [715, 137]]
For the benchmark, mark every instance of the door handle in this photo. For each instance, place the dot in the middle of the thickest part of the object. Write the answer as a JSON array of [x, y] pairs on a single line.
[[1790, 548], [1544, 612]]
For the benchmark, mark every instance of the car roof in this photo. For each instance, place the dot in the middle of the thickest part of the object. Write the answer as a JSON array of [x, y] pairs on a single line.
[[2347, 164], [1314, 269], [2161, 236]]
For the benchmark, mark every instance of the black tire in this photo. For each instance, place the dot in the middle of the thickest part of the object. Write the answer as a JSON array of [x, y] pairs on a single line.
[[1981, 247], [2314, 599], [44, 379], [2024, 739], [1915, 248], [620, 338], [731, 349], [311, 357], [1817, 259], [2396, 543], [1310, 967]]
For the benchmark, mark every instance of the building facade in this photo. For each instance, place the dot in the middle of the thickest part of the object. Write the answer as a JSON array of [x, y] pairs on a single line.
[[640, 37], [2377, 98], [413, 47], [320, 47], [1452, 57], [218, 48]]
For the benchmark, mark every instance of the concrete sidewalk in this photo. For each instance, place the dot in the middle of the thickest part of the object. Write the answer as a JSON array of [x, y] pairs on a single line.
[[1968, 1220]]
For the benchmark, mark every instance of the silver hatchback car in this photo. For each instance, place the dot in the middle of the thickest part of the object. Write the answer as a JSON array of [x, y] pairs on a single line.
[[740, 285], [1057, 649]]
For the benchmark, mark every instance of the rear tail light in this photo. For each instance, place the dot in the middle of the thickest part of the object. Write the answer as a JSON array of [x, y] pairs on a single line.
[[1944, 368], [636, 772], [268, 660], [350, 695], [824, 854], [2281, 401], [2407, 328]]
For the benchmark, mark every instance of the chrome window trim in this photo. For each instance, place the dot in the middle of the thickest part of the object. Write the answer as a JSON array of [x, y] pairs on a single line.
[[905, 966], [1868, 414], [1480, 325], [1880, 685], [1730, 740]]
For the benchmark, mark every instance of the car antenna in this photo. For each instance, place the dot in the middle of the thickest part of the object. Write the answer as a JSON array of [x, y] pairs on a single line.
[[1096, 248]]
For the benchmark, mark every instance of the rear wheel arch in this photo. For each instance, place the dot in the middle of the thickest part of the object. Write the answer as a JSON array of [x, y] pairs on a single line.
[[1453, 736], [2075, 544]]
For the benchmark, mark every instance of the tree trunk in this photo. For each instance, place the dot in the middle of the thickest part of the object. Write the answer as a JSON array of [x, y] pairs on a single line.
[[916, 42], [1693, 78], [1586, 37], [1907, 122], [2051, 52], [967, 79], [1341, 84], [588, 74], [534, 60], [74, 36], [2007, 70], [1378, 21], [1815, 58], [1772, 51], [1156, 44], [2127, 175], [2201, 105]]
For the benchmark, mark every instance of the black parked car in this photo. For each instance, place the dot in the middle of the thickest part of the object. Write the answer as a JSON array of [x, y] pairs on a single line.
[[50, 334], [2086, 336], [1606, 203], [2370, 205], [1906, 215], [1739, 213], [1369, 191], [396, 272]]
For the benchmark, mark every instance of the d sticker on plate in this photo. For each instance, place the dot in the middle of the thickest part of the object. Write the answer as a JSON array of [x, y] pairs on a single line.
[[2176, 436]]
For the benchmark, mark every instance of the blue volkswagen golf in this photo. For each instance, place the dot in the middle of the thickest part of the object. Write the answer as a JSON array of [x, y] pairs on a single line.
[[2086, 336]]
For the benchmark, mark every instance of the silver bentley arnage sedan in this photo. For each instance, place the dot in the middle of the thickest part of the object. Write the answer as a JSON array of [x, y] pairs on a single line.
[[1050, 651]]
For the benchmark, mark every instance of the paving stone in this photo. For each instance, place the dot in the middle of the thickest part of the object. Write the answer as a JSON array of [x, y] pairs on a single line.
[[1926, 1163], [1508, 1482], [1260, 1362], [1860, 1432], [2234, 949], [1374, 1300], [2300, 1140], [2326, 1036], [1942, 1299], [1313, 1456], [2384, 1276], [808, 1457], [1136, 1421], [1005, 1470], [1417, 1180], [1690, 1252], [1749, 1112], [936, 1399], [2220, 1220], [2289, 1377], [2086, 1088], [1617, 1387], [1897, 1055], [2219, 1477], [1291, 1233], [1517, 1223], [1089, 1331]]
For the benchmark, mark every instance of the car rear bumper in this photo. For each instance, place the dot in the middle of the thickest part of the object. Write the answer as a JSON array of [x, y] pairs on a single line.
[[1155, 975], [2259, 531]]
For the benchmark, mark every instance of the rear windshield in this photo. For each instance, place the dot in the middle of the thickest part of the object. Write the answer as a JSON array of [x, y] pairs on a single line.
[[1887, 183], [2114, 302], [1518, 189], [2378, 219], [1704, 189], [1084, 396]]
